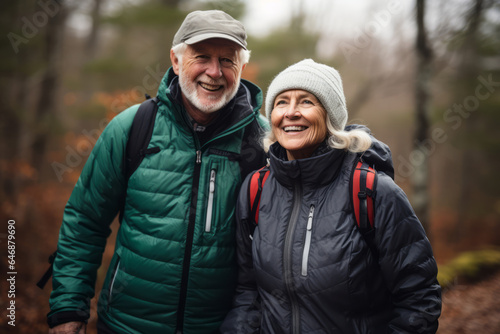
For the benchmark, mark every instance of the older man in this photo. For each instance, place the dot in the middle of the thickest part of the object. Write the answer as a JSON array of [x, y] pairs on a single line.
[[173, 270]]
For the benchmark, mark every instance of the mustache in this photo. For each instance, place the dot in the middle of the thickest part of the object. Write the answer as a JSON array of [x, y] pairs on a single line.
[[206, 79]]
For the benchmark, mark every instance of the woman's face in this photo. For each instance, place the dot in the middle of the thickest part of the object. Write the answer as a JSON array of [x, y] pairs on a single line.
[[299, 123]]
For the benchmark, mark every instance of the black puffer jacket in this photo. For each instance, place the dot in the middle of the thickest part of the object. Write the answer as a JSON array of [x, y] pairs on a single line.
[[334, 283]]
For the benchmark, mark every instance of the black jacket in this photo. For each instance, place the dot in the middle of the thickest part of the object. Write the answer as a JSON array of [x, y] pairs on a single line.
[[323, 278]]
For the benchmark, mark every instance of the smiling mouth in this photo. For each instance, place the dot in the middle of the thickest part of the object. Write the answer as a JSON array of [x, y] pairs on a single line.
[[211, 88], [294, 128]]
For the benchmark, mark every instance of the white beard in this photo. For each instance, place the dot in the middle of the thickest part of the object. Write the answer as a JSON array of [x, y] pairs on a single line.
[[189, 89]]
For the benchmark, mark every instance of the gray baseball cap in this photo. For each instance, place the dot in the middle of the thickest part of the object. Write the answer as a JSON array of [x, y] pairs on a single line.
[[201, 25]]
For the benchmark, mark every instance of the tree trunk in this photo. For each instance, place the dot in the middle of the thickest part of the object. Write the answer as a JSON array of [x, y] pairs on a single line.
[[47, 102], [469, 70], [297, 18], [14, 102], [420, 176], [92, 40]]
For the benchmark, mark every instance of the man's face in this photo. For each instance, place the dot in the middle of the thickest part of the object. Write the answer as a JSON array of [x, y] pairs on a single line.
[[209, 74]]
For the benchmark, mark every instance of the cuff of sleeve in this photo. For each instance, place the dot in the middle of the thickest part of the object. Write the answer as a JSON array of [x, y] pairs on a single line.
[[67, 316]]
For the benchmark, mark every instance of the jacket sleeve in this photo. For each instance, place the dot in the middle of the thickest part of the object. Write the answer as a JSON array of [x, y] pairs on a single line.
[[244, 318], [91, 208], [406, 261]]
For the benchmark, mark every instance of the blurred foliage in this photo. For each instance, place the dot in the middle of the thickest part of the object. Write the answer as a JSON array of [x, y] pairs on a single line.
[[108, 66], [279, 50], [15, 46], [487, 37], [149, 13], [235, 8], [469, 267], [473, 58]]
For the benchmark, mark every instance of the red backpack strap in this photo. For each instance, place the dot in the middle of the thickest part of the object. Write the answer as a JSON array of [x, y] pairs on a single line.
[[256, 184], [363, 188]]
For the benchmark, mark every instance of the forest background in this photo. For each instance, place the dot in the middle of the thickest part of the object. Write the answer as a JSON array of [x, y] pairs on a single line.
[[424, 76]]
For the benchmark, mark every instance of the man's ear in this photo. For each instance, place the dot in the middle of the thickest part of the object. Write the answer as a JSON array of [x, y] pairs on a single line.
[[243, 67], [175, 62]]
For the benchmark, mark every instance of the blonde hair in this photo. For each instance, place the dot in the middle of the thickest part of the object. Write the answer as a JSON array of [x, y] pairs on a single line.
[[356, 140]]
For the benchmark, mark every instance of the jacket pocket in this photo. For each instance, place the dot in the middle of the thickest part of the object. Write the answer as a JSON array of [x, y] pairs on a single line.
[[307, 242], [112, 282], [210, 202]]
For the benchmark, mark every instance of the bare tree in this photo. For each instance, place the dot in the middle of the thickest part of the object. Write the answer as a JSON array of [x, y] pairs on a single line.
[[47, 102], [469, 69], [92, 40], [297, 17], [420, 198], [12, 99]]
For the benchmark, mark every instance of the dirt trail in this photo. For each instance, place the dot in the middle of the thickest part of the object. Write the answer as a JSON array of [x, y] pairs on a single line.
[[472, 309]]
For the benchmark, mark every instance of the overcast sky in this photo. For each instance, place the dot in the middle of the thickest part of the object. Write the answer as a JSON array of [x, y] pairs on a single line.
[[343, 15], [356, 22]]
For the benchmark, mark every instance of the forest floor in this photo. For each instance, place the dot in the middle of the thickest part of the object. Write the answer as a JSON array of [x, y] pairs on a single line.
[[472, 308]]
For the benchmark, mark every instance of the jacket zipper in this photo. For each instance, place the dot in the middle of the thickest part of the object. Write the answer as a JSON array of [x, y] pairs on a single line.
[[208, 223], [192, 220], [189, 244], [115, 273], [307, 243], [287, 259]]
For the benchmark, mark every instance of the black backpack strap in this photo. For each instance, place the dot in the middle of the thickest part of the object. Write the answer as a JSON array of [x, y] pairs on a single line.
[[45, 278], [139, 137]]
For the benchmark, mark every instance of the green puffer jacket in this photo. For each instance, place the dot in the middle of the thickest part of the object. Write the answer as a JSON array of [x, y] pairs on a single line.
[[174, 263]]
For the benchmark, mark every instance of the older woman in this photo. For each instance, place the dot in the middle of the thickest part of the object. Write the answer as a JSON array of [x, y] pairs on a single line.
[[307, 268]]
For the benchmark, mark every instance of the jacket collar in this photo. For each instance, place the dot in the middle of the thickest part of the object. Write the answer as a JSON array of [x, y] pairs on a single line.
[[314, 172]]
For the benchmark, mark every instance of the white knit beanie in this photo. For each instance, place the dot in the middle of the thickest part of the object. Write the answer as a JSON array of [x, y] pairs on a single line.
[[321, 80]]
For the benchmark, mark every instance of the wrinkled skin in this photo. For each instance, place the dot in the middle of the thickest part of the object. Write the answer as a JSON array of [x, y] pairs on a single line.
[[73, 327]]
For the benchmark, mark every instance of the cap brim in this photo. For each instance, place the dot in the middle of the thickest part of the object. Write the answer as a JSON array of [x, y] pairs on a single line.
[[203, 37]]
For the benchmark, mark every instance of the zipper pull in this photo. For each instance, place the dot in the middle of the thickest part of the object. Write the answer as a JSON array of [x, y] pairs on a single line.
[[310, 220], [307, 243], [208, 223], [212, 181], [198, 157]]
